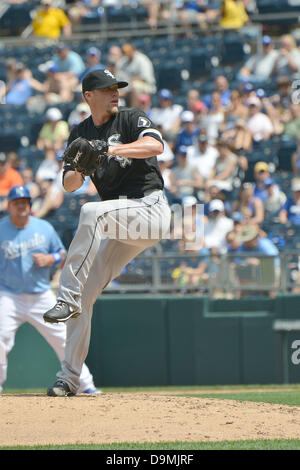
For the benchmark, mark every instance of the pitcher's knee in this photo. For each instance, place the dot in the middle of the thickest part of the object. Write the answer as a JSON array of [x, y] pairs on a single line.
[[88, 213]]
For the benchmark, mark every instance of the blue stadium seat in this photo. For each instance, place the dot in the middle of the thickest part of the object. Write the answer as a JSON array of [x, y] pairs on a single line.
[[287, 146]]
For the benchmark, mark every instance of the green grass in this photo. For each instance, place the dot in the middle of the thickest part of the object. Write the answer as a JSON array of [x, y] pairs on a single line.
[[263, 444], [172, 388], [282, 397]]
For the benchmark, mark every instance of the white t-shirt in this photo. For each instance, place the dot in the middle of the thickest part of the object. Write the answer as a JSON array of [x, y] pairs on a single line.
[[261, 65], [166, 117], [215, 232], [204, 162], [258, 125]]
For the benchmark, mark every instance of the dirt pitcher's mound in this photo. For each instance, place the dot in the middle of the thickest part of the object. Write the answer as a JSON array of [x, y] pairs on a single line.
[[139, 417]]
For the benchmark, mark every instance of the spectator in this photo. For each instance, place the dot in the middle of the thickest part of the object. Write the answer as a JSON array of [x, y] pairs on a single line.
[[69, 64], [185, 178], [9, 177], [192, 97], [212, 192], [55, 89], [217, 227], [167, 114], [225, 168], [222, 87], [79, 114], [275, 198], [261, 173], [114, 55], [51, 22], [93, 61], [214, 119], [53, 134], [85, 9], [49, 199], [235, 110], [283, 98], [137, 69], [260, 65], [239, 138], [202, 155], [189, 13], [248, 205], [30, 183], [290, 211], [20, 89], [233, 14], [288, 58], [144, 103], [292, 127], [254, 243], [258, 123], [200, 112], [189, 130]]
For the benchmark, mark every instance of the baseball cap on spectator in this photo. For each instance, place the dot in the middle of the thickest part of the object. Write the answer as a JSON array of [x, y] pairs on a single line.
[[144, 98], [18, 192], [296, 184], [100, 79], [253, 101], [182, 149], [266, 40], [53, 68], [261, 166], [198, 106], [3, 157], [187, 116], [83, 108], [93, 51], [53, 114], [216, 205], [61, 46], [248, 87], [189, 201], [260, 93], [269, 182], [165, 94]]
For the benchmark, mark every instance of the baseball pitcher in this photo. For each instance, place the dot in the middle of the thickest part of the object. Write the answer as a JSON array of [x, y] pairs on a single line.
[[117, 147]]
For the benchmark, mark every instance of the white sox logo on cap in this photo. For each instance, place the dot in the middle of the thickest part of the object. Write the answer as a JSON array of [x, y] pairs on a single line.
[[107, 72]]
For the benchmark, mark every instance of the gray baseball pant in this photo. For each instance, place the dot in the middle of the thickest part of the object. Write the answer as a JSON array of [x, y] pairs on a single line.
[[109, 235]]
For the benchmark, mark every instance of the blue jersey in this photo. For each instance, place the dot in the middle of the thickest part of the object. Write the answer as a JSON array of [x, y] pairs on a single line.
[[18, 272]]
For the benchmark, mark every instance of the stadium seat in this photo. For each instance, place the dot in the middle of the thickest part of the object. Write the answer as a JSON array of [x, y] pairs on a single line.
[[287, 146]]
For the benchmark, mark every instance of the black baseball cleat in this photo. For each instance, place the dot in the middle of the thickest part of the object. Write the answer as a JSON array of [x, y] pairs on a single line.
[[60, 389], [60, 312]]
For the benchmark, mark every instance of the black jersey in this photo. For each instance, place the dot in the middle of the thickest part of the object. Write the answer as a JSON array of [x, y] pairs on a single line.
[[121, 176]]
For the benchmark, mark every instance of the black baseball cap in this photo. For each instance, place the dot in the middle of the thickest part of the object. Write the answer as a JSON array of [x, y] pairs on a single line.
[[100, 79]]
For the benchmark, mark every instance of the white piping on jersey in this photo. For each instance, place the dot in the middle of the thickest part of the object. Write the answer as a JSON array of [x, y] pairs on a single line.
[[152, 131]]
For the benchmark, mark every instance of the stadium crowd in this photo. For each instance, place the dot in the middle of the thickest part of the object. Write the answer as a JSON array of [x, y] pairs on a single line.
[[220, 158]]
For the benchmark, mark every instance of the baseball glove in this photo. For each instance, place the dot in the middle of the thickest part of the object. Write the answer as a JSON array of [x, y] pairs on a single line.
[[85, 155]]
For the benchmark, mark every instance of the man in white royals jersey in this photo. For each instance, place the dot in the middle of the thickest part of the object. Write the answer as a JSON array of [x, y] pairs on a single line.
[[29, 247]]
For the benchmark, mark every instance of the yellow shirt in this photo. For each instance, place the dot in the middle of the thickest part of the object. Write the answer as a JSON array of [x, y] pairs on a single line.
[[61, 130], [49, 23], [234, 14]]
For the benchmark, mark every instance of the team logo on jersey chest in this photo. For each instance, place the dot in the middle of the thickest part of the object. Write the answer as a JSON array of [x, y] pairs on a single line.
[[115, 139]]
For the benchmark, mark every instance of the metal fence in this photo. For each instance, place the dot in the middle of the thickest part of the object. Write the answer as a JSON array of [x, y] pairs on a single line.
[[219, 276]]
